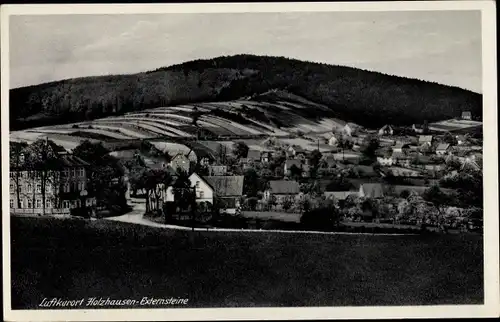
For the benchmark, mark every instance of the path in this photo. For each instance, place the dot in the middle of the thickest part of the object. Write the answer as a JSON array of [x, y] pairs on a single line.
[[136, 216]]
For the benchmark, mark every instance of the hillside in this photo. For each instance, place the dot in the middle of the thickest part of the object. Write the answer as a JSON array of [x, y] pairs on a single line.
[[367, 98]]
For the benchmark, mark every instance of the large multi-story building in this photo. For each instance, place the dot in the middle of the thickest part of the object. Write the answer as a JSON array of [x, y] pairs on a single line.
[[63, 184]]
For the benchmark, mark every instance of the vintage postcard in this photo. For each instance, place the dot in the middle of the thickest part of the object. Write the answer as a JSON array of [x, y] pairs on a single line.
[[249, 161]]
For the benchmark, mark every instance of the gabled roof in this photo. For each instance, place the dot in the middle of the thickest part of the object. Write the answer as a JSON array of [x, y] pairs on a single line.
[[179, 155], [284, 187], [226, 186], [253, 154], [373, 190], [70, 160], [442, 146], [340, 195], [425, 138], [294, 162]]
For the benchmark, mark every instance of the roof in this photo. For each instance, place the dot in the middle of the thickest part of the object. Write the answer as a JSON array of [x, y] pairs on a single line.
[[290, 163], [442, 146], [70, 160], [179, 155], [226, 186], [386, 127], [298, 149], [400, 155], [425, 138], [253, 154], [373, 190], [339, 195], [284, 187]]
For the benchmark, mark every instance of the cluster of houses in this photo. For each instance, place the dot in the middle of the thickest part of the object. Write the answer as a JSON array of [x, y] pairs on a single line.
[[420, 157]]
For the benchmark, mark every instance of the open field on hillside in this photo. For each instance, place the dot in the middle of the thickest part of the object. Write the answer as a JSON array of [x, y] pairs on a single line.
[[75, 259], [454, 125]]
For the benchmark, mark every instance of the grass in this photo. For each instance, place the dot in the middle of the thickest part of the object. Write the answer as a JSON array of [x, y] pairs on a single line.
[[75, 259]]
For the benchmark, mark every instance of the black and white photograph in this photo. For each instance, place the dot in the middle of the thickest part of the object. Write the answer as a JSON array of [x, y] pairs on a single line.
[[326, 158]]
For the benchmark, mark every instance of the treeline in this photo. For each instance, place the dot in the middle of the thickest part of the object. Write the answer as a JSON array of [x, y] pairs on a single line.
[[364, 97]]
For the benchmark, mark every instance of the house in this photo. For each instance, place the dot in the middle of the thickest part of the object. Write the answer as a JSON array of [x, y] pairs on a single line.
[[385, 160], [350, 129], [333, 141], [401, 159], [404, 172], [253, 156], [203, 190], [417, 128], [282, 189], [217, 170], [228, 189], [180, 161], [400, 147], [340, 196], [64, 187], [461, 139], [425, 139], [466, 115], [265, 156], [289, 164], [296, 150], [442, 148], [371, 190], [386, 130]]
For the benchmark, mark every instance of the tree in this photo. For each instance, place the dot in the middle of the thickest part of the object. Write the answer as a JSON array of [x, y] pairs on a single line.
[[450, 139], [321, 218], [105, 175], [43, 161], [344, 143], [17, 162], [287, 204], [438, 198], [241, 150], [295, 172], [314, 161], [369, 146], [250, 183], [184, 194]]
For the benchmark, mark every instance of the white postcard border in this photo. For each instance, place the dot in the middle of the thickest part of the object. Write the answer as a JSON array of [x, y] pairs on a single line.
[[491, 305]]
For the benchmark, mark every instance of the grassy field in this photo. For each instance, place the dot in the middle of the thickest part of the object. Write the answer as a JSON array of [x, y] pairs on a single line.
[[76, 259]]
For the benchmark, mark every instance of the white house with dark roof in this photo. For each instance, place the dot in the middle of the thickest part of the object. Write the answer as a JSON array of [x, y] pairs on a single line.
[[442, 148], [466, 115], [425, 139], [282, 189], [229, 190]]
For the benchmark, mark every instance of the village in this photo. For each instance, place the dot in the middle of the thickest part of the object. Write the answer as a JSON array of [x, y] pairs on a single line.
[[413, 176]]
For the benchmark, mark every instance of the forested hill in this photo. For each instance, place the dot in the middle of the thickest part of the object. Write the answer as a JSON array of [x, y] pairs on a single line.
[[367, 98]]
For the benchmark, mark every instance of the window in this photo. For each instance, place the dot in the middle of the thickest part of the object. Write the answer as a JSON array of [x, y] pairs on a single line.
[[74, 172], [48, 204], [81, 172], [12, 174], [38, 188], [197, 184], [202, 194], [11, 203], [65, 204], [30, 188], [66, 173], [11, 187], [66, 187], [39, 203], [30, 204], [80, 186], [48, 188]]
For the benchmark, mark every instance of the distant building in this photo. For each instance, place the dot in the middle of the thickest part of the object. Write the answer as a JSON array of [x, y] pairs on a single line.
[[265, 156], [296, 150], [217, 170], [180, 161], [404, 172], [401, 159], [386, 130], [282, 189], [425, 139], [228, 189], [442, 148], [64, 189], [333, 141], [461, 139], [289, 164], [371, 190], [417, 128], [385, 160], [466, 115], [253, 156], [350, 129]]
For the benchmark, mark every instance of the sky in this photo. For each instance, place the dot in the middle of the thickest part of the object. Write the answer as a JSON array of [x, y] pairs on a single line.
[[438, 46]]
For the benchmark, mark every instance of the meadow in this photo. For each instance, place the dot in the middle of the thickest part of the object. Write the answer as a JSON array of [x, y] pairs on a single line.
[[76, 258]]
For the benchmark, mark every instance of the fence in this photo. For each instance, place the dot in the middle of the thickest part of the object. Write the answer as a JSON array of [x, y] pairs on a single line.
[[39, 211]]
